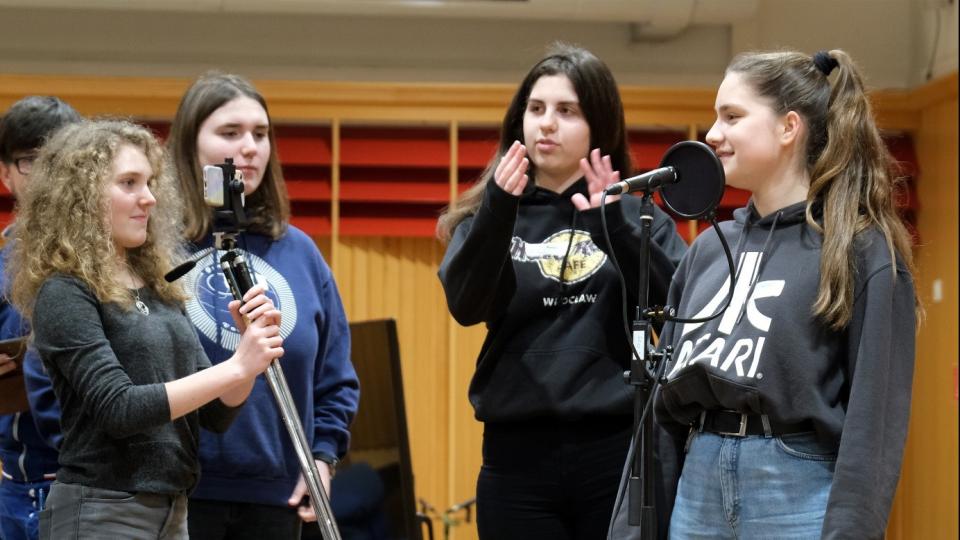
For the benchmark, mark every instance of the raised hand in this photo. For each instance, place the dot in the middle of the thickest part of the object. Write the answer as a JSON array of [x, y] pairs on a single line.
[[599, 174], [511, 172]]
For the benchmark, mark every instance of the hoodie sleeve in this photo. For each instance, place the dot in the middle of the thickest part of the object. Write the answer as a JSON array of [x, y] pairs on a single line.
[[880, 369], [336, 389], [477, 271], [624, 225], [43, 402]]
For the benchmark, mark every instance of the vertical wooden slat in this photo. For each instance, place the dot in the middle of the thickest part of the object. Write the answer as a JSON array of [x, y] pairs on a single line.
[[335, 195], [693, 228], [926, 504], [452, 373]]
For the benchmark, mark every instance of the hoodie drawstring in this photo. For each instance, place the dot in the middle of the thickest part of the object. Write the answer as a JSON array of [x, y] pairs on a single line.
[[756, 277], [566, 253]]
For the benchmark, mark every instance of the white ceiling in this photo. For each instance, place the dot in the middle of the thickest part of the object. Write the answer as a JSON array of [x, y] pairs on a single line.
[[652, 18], [645, 42]]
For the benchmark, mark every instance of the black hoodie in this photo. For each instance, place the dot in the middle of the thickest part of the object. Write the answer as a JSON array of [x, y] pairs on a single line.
[[555, 348], [768, 355]]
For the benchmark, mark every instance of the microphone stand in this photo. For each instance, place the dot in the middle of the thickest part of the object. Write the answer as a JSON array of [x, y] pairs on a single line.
[[223, 189], [237, 274], [642, 376]]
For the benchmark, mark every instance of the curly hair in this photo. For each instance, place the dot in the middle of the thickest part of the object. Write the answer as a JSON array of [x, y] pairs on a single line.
[[63, 227]]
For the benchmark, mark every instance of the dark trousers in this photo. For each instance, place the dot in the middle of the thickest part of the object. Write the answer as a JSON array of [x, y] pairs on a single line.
[[550, 480], [212, 520]]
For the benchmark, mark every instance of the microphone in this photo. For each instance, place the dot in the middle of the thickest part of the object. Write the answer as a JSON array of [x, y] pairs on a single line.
[[648, 181], [690, 179], [185, 267]]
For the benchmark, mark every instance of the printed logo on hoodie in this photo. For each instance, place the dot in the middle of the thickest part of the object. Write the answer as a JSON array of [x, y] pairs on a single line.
[[582, 261], [210, 294], [742, 355]]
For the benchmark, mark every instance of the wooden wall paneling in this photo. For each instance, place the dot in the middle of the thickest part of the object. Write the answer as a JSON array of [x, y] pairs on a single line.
[[468, 432], [927, 502], [335, 194], [462, 348], [393, 179], [152, 98], [325, 245], [692, 228], [396, 277]]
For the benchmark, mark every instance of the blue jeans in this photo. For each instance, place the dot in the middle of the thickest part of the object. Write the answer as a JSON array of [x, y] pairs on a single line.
[[753, 487], [20, 506]]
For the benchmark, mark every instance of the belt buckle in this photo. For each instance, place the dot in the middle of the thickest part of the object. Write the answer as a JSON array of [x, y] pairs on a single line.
[[742, 432]]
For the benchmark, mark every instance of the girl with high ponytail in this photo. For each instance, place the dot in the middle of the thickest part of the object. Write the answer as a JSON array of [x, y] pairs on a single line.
[[786, 416]]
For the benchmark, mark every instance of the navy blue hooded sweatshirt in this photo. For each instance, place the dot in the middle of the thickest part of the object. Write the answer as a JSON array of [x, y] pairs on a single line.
[[767, 354], [26, 455], [555, 347], [255, 461]]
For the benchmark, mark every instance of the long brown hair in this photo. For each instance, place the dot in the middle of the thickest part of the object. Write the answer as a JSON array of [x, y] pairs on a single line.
[[62, 226], [268, 207], [599, 100], [852, 175]]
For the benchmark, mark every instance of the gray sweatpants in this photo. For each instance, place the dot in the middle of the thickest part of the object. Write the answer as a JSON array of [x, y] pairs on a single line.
[[76, 512]]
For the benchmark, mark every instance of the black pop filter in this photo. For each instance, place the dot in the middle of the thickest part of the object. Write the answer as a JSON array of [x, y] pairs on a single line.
[[700, 179]]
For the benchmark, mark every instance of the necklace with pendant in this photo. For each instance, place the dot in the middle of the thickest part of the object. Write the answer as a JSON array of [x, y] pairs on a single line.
[[141, 307]]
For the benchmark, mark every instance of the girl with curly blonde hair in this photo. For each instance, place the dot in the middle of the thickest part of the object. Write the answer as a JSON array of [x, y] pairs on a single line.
[[97, 227]]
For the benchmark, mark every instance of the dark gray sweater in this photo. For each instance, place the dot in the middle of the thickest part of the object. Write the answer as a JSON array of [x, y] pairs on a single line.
[[108, 366]]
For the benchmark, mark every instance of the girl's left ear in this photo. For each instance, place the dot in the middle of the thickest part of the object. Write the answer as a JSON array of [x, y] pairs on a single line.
[[792, 126]]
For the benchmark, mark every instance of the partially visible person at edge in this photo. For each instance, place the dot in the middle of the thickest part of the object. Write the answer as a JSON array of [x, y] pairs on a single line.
[[29, 461], [127, 368], [251, 485], [786, 416], [526, 256]]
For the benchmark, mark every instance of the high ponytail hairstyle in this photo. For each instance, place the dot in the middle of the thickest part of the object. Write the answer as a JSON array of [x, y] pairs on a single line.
[[853, 178]]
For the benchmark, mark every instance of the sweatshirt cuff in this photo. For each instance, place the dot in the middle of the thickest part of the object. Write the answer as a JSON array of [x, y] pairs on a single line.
[[501, 205], [325, 448]]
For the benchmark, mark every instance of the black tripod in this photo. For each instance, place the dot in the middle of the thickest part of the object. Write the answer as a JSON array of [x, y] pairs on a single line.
[[645, 367]]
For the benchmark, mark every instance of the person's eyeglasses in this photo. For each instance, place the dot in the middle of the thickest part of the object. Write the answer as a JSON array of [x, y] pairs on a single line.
[[24, 164]]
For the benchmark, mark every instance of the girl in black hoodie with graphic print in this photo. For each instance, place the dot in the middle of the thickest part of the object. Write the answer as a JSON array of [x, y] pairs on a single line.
[[787, 415], [528, 259]]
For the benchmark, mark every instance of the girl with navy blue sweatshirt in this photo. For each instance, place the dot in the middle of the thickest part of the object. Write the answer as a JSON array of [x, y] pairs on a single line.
[[251, 485], [526, 257], [786, 416]]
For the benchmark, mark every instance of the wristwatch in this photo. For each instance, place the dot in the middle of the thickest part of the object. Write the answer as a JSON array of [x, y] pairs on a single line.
[[331, 462]]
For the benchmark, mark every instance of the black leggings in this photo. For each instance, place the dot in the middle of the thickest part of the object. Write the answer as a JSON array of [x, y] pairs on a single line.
[[550, 480]]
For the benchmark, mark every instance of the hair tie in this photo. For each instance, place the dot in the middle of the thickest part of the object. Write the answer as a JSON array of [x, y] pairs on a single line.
[[824, 62]]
